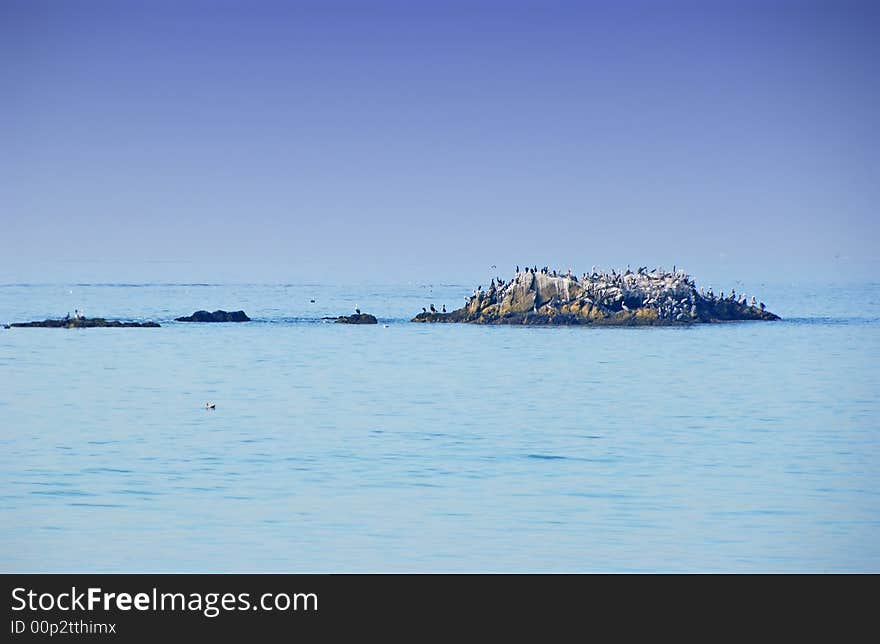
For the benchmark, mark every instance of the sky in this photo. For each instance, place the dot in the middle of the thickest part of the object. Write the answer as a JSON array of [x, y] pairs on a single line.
[[398, 141]]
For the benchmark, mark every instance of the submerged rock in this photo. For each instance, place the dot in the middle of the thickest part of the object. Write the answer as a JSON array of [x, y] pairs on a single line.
[[357, 318], [630, 298], [216, 316], [82, 323]]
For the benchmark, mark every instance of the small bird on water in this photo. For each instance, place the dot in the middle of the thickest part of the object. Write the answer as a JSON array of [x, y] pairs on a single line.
[[210, 405]]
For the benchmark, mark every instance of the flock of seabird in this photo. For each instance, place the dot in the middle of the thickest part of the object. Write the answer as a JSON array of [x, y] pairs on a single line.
[[672, 294]]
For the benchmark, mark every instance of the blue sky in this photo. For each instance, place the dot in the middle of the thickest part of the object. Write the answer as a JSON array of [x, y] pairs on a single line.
[[389, 141]]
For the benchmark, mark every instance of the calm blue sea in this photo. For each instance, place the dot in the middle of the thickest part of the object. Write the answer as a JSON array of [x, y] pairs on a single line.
[[333, 448]]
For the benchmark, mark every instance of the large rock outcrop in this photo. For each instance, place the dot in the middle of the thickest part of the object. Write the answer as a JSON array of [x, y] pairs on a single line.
[[639, 297], [82, 323], [216, 316]]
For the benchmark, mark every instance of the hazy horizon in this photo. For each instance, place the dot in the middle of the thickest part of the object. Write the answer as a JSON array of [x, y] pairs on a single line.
[[335, 141]]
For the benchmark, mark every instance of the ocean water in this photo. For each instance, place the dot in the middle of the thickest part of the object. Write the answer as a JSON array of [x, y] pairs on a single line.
[[334, 448]]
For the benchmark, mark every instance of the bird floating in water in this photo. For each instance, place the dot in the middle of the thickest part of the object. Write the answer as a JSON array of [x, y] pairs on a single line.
[[210, 405]]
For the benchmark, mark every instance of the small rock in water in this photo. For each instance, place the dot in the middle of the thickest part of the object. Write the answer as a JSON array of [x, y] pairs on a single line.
[[82, 323], [216, 316], [357, 318]]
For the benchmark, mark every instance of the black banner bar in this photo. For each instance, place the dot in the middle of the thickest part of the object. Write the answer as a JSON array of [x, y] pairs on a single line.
[[156, 607]]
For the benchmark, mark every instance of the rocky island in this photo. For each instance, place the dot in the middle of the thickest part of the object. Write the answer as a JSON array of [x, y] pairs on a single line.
[[82, 323], [216, 316], [629, 298]]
